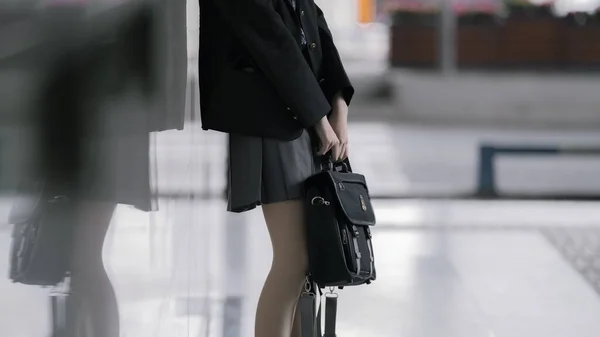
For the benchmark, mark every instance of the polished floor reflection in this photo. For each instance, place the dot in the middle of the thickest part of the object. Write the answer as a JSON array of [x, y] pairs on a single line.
[[447, 268], [191, 270]]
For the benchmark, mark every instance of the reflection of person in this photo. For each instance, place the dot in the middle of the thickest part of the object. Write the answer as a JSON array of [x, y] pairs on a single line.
[[104, 168], [122, 177], [271, 77]]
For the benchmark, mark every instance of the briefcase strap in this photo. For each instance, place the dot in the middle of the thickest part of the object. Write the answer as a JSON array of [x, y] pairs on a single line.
[[330, 314], [309, 320]]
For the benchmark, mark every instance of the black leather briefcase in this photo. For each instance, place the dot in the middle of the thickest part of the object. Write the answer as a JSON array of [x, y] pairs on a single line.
[[340, 218], [42, 235]]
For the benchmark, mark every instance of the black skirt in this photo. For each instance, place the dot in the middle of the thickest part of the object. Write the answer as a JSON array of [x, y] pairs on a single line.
[[264, 171], [119, 170]]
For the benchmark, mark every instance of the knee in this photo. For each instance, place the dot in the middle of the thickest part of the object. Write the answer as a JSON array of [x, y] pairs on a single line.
[[294, 270], [86, 267]]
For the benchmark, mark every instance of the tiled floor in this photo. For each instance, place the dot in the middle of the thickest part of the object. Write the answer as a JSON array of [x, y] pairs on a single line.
[[173, 272]]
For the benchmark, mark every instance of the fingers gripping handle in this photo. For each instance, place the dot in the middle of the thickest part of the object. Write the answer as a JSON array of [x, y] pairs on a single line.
[[326, 163]]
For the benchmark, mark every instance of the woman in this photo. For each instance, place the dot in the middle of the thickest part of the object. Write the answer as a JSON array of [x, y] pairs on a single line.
[[271, 77]]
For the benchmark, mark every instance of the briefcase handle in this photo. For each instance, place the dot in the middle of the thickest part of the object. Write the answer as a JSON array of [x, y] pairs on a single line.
[[326, 164]]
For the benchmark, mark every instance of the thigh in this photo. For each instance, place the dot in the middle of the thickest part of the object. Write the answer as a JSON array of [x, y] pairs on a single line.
[[92, 222], [286, 225]]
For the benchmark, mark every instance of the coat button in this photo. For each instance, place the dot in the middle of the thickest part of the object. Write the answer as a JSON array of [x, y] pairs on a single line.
[[312, 46], [290, 109], [301, 13]]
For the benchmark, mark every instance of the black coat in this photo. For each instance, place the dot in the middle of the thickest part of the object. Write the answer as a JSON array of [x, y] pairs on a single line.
[[256, 78]]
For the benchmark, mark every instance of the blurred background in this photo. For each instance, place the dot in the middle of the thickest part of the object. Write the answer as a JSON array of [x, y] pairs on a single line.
[[476, 123]]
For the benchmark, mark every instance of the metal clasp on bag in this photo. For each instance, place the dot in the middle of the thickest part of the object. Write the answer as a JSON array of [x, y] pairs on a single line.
[[62, 289], [363, 204], [307, 285], [331, 293], [319, 201]]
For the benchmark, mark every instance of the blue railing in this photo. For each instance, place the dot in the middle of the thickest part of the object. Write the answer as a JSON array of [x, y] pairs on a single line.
[[486, 181]]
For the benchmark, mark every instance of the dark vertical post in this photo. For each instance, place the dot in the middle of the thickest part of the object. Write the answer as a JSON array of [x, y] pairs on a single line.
[[486, 186]]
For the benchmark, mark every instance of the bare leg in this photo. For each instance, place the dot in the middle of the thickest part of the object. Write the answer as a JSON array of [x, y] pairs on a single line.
[[297, 327], [92, 304], [279, 297]]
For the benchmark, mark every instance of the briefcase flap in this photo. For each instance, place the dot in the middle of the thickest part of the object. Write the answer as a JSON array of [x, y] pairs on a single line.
[[26, 203], [352, 196]]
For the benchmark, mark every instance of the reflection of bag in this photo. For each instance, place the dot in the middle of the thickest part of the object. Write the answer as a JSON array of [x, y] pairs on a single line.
[[42, 235], [339, 220]]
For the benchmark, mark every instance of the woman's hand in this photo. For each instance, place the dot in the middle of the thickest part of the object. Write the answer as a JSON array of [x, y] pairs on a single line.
[[327, 136], [339, 123]]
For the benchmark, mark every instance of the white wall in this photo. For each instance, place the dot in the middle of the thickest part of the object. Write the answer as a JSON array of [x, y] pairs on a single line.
[[500, 99], [340, 14]]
